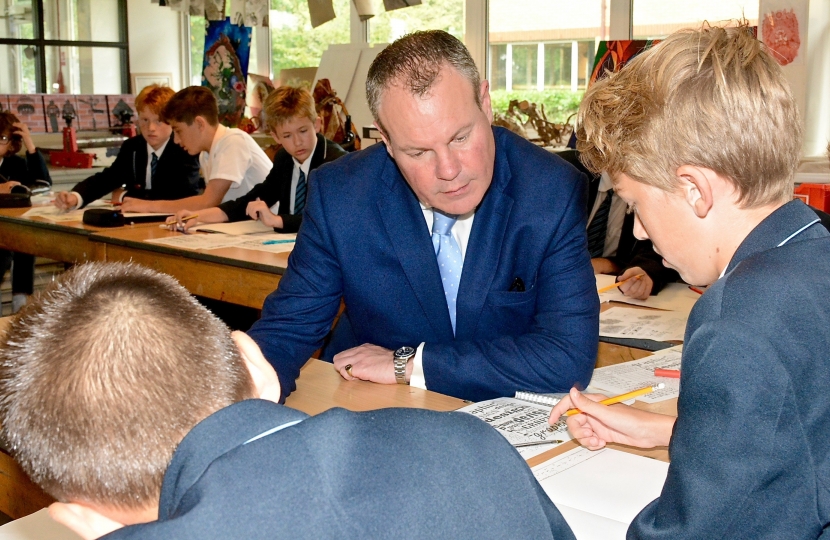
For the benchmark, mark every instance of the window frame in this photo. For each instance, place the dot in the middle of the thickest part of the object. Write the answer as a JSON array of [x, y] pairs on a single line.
[[40, 44]]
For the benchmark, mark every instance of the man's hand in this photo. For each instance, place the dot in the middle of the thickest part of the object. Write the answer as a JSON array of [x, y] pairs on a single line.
[[131, 204], [639, 289], [369, 363], [6, 187], [598, 425], [259, 210]]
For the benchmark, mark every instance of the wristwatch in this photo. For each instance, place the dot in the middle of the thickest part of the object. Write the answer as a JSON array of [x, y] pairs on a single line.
[[401, 358]]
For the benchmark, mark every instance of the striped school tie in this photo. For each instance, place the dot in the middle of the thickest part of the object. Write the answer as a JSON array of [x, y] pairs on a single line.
[[449, 259], [154, 165], [299, 196], [599, 226]]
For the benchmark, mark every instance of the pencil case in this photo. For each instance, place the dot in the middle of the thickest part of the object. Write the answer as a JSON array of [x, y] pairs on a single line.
[[103, 217]]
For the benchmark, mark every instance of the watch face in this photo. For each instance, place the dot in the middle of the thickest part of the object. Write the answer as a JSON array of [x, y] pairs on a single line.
[[403, 352]]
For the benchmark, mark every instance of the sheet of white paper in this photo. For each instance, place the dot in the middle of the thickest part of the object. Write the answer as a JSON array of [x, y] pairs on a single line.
[[519, 421], [673, 297], [622, 322], [37, 526], [609, 483], [55, 214], [198, 241], [270, 243], [248, 226], [628, 376], [588, 526]]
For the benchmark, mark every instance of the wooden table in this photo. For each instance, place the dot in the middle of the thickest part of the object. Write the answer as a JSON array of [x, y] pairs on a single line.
[[64, 242], [240, 276]]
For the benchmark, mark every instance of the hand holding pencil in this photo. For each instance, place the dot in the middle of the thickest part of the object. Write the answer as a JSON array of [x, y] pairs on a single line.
[[596, 424]]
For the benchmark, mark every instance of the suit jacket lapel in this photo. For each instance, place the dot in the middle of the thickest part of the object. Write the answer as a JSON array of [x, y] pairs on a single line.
[[140, 165], [483, 250], [319, 153], [404, 222]]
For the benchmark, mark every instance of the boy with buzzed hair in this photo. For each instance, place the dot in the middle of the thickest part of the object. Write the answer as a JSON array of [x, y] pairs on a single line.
[[701, 136], [136, 408], [279, 201], [231, 160]]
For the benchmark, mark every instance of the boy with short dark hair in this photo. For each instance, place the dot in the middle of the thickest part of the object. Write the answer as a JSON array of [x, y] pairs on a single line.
[[231, 161], [148, 166], [701, 136], [132, 405], [279, 201]]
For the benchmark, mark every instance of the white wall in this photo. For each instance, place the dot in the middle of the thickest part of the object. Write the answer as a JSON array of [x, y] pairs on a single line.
[[155, 36]]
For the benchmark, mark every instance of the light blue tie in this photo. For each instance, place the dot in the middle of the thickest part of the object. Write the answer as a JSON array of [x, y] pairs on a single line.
[[448, 254]]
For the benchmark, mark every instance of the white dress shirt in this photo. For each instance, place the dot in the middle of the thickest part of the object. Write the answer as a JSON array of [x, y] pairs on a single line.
[[148, 179]]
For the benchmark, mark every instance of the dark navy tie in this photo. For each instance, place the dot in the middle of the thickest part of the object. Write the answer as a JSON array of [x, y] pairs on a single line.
[[154, 165], [299, 196], [599, 226], [448, 255]]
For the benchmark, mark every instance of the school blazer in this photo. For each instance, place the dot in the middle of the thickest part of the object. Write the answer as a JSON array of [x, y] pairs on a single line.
[[177, 175], [277, 185]]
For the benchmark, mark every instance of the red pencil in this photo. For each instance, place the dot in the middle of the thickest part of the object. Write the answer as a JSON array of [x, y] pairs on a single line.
[[695, 289], [669, 373]]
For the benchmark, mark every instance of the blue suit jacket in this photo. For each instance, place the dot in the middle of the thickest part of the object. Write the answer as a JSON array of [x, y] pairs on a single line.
[[364, 239], [393, 473], [750, 452]]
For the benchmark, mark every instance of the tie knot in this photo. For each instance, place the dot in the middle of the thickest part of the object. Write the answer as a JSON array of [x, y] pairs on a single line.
[[442, 223]]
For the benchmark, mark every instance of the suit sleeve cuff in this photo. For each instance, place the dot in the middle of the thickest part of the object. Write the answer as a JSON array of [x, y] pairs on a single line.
[[417, 378]]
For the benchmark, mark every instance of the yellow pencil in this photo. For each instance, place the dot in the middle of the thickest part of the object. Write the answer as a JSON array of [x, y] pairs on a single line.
[[621, 397], [173, 225], [617, 284]]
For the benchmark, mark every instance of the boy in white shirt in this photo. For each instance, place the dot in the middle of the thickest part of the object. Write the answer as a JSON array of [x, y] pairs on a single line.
[[232, 162]]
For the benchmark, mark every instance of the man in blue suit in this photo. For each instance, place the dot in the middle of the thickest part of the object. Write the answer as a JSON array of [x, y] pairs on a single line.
[[691, 133], [458, 248]]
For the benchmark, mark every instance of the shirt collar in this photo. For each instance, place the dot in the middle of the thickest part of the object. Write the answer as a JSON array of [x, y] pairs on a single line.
[[158, 152], [605, 183], [220, 132]]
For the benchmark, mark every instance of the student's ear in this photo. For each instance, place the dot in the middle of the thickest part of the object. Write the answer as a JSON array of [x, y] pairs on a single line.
[[266, 382], [484, 99], [83, 520], [201, 123], [696, 184], [318, 125]]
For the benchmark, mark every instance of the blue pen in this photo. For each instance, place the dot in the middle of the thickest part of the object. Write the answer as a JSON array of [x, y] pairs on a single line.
[[272, 242]]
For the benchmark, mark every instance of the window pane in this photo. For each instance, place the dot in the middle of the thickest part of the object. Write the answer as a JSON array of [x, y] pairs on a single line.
[[17, 69], [658, 18], [294, 43], [198, 30], [83, 70], [446, 15], [543, 51], [82, 20], [16, 19]]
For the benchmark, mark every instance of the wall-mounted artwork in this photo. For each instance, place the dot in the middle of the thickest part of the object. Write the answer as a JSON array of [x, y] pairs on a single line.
[[225, 68], [92, 112], [784, 29]]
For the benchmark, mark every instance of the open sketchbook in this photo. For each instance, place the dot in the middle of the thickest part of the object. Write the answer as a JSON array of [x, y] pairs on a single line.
[[599, 493]]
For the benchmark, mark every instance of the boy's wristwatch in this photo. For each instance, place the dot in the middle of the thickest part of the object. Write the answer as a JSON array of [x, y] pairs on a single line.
[[401, 358]]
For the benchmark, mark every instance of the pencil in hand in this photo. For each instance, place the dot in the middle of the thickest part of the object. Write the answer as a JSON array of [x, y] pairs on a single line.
[[618, 283], [179, 225], [620, 398]]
